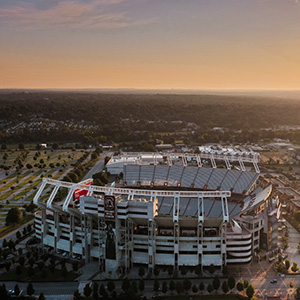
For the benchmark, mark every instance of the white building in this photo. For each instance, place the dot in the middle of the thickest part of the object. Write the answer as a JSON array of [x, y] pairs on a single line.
[[163, 215]]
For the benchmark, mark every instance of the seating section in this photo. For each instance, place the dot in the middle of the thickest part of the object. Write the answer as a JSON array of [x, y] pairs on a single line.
[[131, 174], [199, 178], [202, 178], [166, 206], [189, 207], [175, 175], [183, 204], [229, 181], [160, 175], [216, 179], [188, 176]]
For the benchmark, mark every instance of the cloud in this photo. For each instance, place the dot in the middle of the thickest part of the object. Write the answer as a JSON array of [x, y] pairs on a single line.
[[70, 14]]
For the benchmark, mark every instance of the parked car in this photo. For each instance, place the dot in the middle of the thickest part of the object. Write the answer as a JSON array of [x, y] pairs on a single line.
[[274, 280]]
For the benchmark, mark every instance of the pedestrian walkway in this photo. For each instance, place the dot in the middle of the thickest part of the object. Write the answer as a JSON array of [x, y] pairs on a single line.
[[89, 271]]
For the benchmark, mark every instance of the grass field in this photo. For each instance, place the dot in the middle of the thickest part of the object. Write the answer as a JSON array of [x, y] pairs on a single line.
[[60, 156], [5, 230], [19, 186]]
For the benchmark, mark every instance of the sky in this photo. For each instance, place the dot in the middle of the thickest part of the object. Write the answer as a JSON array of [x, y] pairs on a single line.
[[150, 44]]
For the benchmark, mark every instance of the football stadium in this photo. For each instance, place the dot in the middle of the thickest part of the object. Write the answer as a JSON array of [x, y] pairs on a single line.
[[176, 209]]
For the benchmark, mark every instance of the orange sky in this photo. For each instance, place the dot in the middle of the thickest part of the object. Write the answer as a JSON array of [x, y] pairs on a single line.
[[204, 44]]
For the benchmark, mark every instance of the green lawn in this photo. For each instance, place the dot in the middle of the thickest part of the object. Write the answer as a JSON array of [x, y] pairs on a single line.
[[7, 229], [13, 182]]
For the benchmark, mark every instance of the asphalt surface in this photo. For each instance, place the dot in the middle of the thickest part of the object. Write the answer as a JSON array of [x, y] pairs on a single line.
[[99, 166]]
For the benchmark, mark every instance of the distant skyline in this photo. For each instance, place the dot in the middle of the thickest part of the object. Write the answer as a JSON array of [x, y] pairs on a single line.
[[150, 44]]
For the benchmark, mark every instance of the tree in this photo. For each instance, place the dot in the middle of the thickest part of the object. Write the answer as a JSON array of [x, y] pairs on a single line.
[[22, 261], [156, 285], [187, 284], [114, 295], [201, 286], [194, 289], [75, 266], [246, 283], [64, 271], [141, 285], [225, 271], [134, 286], [13, 216], [172, 286], [21, 146], [225, 287], [87, 290], [280, 268], [210, 288], [198, 270], [3, 291], [231, 282], [297, 216], [55, 146], [28, 166], [102, 289], [216, 283], [110, 286], [31, 261], [76, 295], [20, 251], [95, 294], [30, 289], [11, 245], [294, 267], [7, 265], [141, 271], [125, 284], [165, 287], [183, 270], [211, 269], [170, 270], [18, 235], [287, 264], [156, 271], [3, 147], [280, 258], [18, 270], [41, 296], [240, 286], [250, 291], [179, 287], [17, 290]]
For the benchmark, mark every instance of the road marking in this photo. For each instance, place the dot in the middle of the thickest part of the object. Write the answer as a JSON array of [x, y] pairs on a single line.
[[250, 272], [261, 266]]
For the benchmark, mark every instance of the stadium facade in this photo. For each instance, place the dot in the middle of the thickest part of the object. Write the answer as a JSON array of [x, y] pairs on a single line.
[[168, 210]]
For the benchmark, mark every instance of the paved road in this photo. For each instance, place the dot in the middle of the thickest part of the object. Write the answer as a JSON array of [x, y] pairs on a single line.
[[98, 167]]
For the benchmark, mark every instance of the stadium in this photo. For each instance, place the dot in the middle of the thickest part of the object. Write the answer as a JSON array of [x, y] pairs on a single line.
[[176, 209]]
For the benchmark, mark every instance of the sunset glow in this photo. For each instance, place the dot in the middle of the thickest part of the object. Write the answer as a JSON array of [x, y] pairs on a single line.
[[190, 44]]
